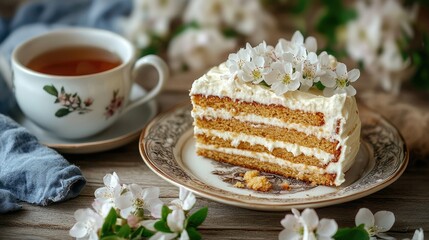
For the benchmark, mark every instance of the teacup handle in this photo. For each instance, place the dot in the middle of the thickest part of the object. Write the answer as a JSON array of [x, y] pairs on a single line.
[[163, 74]]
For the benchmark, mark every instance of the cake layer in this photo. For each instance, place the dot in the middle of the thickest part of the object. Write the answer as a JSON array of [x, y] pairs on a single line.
[[269, 111], [235, 139], [312, 175], [318, 131], [277, 152], [269, 132]]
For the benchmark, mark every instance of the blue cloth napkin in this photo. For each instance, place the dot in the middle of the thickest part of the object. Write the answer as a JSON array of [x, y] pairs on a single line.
[[29, 171]]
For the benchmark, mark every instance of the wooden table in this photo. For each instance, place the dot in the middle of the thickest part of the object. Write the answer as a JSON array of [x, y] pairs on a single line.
[[408, 198]]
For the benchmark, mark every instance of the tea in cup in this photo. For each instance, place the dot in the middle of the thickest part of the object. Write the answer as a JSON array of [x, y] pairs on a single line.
[[76, 82]]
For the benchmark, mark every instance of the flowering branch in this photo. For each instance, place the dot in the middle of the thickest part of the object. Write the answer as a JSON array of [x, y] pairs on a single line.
[[306, 226], [130, 212]]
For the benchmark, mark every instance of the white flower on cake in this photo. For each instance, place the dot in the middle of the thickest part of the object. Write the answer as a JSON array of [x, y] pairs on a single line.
[[376, 224], [307, 226], [282, 78], [87, 224], [340, 81], [254, 71], [311, 71], [236, 61], [290, 66]]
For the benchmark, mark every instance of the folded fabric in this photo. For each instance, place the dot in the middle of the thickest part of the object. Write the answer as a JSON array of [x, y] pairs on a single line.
[[31, 172]]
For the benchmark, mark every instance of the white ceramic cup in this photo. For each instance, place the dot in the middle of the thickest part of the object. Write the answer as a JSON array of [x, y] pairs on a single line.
[[80, 106]]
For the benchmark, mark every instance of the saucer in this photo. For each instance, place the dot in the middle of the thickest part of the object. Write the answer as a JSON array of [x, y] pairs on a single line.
[[124, 130]]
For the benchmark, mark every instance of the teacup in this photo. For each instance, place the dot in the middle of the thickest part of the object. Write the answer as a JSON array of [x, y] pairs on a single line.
[[82, 104]]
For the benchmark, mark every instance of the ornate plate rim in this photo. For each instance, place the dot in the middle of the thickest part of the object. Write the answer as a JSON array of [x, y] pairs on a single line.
[[274, 206]]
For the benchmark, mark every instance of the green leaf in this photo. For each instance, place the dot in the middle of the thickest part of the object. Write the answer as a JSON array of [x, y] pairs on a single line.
[[164, 212], [230, 33], [111, 237], [319, 85], [109, 222], [62, 90], [193, 233], [151, 49], [301, 6], [124, 231], [51, 90], [185, 27], [62, 112], [162, 226], [356, 233], [198, 217], [137, 233]]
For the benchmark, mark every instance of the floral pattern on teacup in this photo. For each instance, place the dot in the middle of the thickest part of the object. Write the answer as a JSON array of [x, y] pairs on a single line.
[[114, 105], [70, 102]]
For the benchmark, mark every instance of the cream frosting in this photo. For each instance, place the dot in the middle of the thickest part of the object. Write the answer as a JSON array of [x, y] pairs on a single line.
[[339, 107]]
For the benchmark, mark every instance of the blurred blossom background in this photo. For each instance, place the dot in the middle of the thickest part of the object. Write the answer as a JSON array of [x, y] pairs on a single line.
[[387, 39]]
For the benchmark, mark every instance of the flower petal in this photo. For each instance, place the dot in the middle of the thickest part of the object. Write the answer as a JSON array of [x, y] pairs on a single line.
[[341, 70], [418, 234], [102, 193], [297, 38], [385, 236], [78, 230], [290, 222], [353, 75], [175, 220], [384, 220], [289, 235], [364, 216], [311, 44], [350, 90], [327, 227], [310, 218], [184, 235]]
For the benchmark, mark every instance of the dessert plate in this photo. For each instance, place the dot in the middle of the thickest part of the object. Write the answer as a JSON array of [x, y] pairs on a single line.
[[167, 147], [123, 131]]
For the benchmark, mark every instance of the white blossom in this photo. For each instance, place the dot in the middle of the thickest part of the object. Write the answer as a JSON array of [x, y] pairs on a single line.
[[142, 199], [282, 78], [373, 39], [186, 200], [198, 48], [246, 17], [255, 70], [418, 235], [176, 222], [236, 61], [377, 224], [311, 71], [87, 225], [307, 226], [113, 194], [339, 83], [150, 17]]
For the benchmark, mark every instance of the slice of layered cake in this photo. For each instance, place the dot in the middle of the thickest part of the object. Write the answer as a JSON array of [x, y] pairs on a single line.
[[283, 110]]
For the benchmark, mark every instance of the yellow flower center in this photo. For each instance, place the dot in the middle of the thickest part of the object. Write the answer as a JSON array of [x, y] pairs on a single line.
[[256, 74], [342, 82], [286, 79]]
